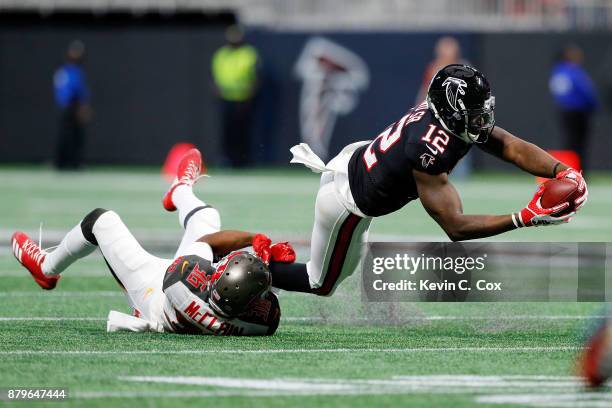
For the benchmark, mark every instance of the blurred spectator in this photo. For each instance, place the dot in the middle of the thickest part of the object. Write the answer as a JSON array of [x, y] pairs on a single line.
[[575, 98], [72, 97], [234, 69], [447, 51]]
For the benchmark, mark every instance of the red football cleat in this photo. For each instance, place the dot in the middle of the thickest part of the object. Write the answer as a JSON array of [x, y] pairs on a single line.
[[189, 170], [30, 255]]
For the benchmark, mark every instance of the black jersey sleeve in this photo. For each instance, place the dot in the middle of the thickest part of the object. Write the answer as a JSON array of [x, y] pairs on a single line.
[[426, 159], [431, 149]]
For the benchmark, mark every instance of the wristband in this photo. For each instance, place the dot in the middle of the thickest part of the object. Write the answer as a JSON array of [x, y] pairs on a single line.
[[554, 172], [516, 220]]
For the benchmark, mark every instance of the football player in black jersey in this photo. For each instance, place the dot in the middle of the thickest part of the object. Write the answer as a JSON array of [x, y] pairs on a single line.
[[191, 294], [411, 159]]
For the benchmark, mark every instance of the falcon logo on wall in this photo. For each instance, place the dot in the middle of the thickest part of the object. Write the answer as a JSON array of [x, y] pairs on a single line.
[[332, 78]]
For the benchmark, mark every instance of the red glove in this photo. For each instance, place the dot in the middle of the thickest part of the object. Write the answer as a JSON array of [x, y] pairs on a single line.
[[535, 215], [280, 252], [261, 246], [582, 187], [283, 252]]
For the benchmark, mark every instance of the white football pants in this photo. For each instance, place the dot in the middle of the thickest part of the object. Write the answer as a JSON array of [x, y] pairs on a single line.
[[337, 237]]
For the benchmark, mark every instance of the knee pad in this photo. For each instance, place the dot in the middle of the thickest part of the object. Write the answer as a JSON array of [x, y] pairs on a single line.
[[213, 218], [207, 214], [88, 222]]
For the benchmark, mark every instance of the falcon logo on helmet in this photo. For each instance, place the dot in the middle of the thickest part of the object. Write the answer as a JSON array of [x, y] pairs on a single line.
[[454, 88]]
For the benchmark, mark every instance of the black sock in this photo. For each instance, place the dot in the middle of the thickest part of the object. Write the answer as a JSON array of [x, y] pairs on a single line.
[[290, 276]]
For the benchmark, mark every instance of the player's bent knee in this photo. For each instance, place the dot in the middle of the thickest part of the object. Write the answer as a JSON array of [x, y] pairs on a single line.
[[207, 215], [88, 222], [213, 218]]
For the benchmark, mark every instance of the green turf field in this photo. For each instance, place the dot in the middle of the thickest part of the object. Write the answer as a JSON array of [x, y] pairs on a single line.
[[337, 351]]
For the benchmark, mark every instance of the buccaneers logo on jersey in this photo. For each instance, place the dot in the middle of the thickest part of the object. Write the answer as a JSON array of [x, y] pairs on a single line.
[[454, 87]]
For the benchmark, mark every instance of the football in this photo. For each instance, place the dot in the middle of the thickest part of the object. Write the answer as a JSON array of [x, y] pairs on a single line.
[[558, 191]]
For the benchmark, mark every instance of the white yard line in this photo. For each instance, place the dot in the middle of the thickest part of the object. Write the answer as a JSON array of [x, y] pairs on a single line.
[[174, 394], [63, 294], [50, 319], [551, 349], [321, 319], [525, 390], [409, 382], [572, 400], [274, 384], [19, 272], [443, 318]]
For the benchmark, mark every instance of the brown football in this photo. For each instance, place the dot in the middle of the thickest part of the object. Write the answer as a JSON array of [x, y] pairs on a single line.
[[557, 191]]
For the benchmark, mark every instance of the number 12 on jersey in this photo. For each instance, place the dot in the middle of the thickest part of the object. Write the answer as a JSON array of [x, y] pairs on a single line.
[[440, 141], [389, 137]]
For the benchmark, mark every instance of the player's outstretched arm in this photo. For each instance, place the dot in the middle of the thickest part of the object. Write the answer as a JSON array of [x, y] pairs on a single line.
[[442, 202], [224, 242], [534, 160], [524, 155]]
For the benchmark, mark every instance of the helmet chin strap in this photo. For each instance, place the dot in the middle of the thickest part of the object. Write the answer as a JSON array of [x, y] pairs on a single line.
[[466, 135]]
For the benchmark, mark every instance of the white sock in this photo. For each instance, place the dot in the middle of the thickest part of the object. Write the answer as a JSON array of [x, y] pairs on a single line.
[[195, 216], [73, 246], [185, 201]]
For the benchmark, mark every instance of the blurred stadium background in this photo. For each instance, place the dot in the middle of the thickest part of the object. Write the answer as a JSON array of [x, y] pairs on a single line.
[[148, 67]]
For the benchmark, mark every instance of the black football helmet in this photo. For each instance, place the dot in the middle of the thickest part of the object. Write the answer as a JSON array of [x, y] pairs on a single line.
[[242, 279], [460, 98]]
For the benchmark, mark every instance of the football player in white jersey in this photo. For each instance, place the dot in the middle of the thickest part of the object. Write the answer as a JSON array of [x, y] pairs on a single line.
[[188, 294]]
